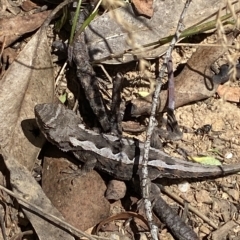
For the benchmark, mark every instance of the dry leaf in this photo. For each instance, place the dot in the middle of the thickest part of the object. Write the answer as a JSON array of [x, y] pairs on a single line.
[[14, 28], [26, 186], [122, 216], [28, 6], [144, 7], [28, 81], [193, 84], [130, 30]]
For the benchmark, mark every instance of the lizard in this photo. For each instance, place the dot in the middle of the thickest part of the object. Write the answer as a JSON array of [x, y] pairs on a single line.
[[63, 128]]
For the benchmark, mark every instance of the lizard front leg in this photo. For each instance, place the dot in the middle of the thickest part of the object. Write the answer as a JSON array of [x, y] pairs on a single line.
[[88, 79]]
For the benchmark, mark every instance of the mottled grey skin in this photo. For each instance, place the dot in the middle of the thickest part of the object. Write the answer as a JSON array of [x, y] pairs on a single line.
[[88, 79], [121, 160]]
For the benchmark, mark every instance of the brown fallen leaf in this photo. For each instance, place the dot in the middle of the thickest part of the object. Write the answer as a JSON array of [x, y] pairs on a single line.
[[29, 80], [192, 84], [28, 6], [14, 28], [27, 188], [231, 94], [144, 7], [122, 216]]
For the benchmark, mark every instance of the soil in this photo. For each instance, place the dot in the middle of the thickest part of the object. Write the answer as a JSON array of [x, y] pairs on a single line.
[[217, 200]]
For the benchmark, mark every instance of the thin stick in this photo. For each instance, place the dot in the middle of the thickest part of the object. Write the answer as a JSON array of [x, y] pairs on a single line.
[[60, 73], [144, 178], [37, 210], [171, 95], [54, 11], [191, 208]]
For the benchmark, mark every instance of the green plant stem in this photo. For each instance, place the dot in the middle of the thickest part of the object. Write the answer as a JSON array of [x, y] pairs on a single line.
[[75, 19]]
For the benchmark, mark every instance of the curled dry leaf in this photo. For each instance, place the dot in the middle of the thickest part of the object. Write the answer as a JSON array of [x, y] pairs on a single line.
[[28, 6], [122, 216], [14, 28], [28, 81]]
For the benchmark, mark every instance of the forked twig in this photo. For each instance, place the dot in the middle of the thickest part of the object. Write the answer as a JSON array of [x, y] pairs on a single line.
[[145, 184]]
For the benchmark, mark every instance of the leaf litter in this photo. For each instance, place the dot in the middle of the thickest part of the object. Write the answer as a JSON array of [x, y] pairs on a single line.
[[28, 81], [19, 94]]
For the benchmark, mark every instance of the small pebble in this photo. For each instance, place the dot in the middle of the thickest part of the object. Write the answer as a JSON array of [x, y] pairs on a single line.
[[205, 230], [116, 190], [233, 193], [228, 155], [184, 186], [203, 196], [224, 196]]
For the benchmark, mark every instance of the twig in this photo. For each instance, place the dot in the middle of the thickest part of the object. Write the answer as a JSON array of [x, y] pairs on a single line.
[[53, 13], [51, 218], [60, 74], [171, 95], [22, 234], [191, 208], [4, 235], [144, 178]]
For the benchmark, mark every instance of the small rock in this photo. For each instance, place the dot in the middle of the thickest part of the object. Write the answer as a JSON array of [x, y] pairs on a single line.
[[114, 236], [215, 206], [226, 215], [203, 197], [218, 125], [224, 195], [233, 193], [228, 155], [205, 230], [143, 236], [116, 190], [189, 197], [184, 186]]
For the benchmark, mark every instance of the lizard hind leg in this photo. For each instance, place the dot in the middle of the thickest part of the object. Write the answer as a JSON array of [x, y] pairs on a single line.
[[81, 170], [88, 158]]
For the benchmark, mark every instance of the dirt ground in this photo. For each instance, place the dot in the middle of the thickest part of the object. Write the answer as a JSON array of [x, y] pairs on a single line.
[[210, 206]]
